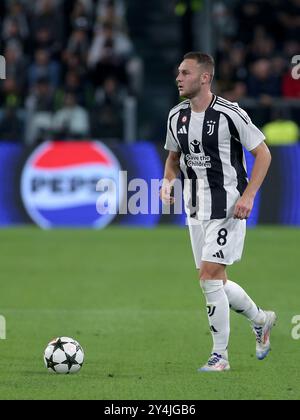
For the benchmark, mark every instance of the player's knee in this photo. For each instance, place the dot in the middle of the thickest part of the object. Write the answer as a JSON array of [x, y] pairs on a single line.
[[212, 272]]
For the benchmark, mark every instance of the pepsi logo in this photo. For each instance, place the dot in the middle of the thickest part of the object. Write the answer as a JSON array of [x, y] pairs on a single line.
[[58, 183]]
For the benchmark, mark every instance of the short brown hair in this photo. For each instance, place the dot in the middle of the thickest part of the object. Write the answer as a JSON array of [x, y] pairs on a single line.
[[204, 59]]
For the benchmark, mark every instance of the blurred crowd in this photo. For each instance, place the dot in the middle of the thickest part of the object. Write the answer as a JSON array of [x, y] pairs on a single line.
[[256, 42], [70, 65]]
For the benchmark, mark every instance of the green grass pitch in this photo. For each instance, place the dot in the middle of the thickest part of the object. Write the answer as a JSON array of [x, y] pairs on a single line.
[[132, 299]]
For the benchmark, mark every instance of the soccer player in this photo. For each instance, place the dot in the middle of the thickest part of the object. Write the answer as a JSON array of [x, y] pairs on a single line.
[[205, 139]]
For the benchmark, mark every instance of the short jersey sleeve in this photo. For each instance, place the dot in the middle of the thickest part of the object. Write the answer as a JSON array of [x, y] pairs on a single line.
[[249, 135], [171, 142]]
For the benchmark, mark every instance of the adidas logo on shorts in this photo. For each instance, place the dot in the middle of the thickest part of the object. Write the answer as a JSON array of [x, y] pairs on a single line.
[[219, 255]]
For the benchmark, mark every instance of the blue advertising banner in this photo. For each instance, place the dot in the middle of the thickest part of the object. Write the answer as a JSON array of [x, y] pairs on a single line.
[[290, 197], [56, 185], [11, 212]]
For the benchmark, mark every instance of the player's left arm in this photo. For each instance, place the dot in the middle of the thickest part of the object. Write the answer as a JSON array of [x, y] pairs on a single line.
[[262, 163]]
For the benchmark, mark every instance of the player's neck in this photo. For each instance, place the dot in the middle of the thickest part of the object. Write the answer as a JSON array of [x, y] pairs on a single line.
[[201, 103]]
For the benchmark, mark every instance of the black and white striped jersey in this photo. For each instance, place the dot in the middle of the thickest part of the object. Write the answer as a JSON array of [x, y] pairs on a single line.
[[212, 159]]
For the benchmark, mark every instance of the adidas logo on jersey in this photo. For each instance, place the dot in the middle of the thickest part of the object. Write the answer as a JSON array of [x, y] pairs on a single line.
[[219, 255], [183, 130]]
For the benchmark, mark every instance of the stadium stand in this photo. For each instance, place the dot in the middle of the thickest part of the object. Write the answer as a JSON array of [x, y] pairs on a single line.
[[67, 61], [87, 57]]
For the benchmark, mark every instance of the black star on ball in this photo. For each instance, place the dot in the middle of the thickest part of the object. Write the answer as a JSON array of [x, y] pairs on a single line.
[[59, 345], [51, 364], [71, 360]]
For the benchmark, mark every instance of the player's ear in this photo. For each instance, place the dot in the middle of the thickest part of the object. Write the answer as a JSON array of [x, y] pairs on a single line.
[[205, 78]]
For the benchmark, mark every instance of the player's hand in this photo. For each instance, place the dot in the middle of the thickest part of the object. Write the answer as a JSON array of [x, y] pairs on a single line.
[[166, 194], [243, 207]]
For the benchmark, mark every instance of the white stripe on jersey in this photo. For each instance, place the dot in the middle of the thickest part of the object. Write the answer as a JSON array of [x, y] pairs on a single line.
[[230, 174], [204, 199]]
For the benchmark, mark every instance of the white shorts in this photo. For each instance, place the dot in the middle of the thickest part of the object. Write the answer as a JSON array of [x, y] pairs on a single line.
[[219, 241]]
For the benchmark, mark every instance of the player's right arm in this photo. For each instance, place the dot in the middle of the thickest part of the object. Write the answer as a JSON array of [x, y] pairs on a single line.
[[172, 166], [172, 170]]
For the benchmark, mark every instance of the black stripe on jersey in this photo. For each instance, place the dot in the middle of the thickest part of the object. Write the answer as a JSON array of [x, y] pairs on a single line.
[[232, 108], [171, 129], [173, 115], [215, 175], [183, 138], [237, 155], [213, 101], [236, 110]]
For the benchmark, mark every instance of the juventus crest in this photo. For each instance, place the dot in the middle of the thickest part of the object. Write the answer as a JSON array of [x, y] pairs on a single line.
[[211, 127]]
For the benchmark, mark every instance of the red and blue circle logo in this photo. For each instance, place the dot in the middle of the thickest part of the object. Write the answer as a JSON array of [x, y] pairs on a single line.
[[59, 180]]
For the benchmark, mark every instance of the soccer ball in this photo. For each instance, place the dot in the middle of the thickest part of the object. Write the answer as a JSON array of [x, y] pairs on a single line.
[[64, 355]]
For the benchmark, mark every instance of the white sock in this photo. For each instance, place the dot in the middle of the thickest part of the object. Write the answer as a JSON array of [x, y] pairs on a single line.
[[241, 303], [218, 314]]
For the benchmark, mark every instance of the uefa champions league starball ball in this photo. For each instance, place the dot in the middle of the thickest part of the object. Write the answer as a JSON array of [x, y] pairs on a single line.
[[64, 355]]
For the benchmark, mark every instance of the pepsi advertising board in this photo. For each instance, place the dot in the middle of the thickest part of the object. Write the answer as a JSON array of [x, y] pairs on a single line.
[[58, 183], [54, 186]]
